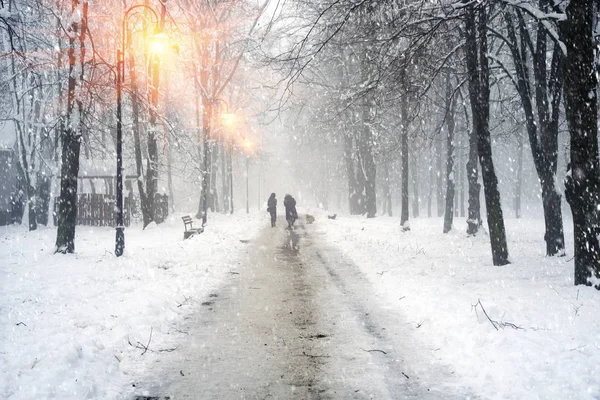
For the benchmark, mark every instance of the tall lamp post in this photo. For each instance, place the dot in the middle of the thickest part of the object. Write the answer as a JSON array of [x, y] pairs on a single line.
[[120, 229]]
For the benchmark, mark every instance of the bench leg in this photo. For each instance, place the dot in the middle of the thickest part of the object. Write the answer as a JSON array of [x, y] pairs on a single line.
[[188, 234]]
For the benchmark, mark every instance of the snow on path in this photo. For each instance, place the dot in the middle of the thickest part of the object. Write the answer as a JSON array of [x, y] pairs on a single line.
[[74, 327], [296, 321]]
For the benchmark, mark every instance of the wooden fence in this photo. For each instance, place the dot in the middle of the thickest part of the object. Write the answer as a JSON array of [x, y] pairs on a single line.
[[99, 209]]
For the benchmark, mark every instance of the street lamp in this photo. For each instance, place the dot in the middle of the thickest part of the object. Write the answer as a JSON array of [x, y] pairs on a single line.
[[120, 229]]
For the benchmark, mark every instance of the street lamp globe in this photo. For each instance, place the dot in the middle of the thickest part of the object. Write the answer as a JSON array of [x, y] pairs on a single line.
[[159, 43]]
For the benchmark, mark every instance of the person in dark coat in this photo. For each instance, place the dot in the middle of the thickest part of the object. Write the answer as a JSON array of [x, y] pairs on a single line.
[[272, 208], [290, 210]]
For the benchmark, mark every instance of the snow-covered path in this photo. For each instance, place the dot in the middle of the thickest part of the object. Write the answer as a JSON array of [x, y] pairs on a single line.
[[297, 321]]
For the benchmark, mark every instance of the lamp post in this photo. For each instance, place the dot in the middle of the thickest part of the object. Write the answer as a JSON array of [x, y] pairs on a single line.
[[120, 229]]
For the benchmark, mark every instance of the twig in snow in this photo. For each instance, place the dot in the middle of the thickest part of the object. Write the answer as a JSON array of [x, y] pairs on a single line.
[[172, 349], [314, 356], [381, 273], [407, 377], [21, 323], [517, 327], [140, 345], [420, 324], [185, 300], [374, 350], [494, 323], [401, 297], [234, 273], [420, 250], [149, 339]]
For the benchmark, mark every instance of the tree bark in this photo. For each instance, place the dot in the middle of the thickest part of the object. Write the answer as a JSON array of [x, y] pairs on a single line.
[[544, 147], [479, 92], [404, 154], [415, 181], [474, 216], [430, 175], [152, 161], [519, 183], [350, 176], [387, 195], [439, 174], [67, 208], [368, 164], [582, 183], [450, 181]]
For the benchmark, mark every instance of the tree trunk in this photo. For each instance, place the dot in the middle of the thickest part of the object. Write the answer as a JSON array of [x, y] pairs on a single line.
[[207, 158], [479, 91], [519, 185], [415, 181], [152, 161], [474, 216], [361, 206], [67, 208], [43, 202], [430, 175], [225, 179], [450, 111], [387, 195], [368, 166], [439, 181], [215, 205], [200, 147], [582, 184], [404, 154], [544, 147], [350, 176], [137, 142]]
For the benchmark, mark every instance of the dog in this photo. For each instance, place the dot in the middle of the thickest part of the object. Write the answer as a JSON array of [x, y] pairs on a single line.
[[309, 219]]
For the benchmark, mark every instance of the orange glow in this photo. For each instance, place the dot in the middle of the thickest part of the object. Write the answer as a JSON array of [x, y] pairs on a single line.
[[228, 119], [159, 43], [247, 145]]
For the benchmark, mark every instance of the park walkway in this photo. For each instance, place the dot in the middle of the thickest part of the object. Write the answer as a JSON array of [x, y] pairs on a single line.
[[295, 321]]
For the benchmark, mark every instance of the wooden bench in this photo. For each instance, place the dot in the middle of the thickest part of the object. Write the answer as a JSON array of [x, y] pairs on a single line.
[[191, 231]]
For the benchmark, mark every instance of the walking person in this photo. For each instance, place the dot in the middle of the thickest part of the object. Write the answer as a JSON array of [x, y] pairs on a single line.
[[272, 208], [290, 210]]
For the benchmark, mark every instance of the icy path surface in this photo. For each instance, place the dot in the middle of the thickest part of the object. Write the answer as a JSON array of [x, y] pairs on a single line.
[[297, 321]]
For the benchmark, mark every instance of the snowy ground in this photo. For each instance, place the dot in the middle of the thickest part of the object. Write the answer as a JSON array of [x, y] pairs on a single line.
[[547, 341], [75, 327]]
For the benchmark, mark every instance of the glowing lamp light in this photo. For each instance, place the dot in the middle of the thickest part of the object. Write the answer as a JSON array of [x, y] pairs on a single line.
[[159, 43], [228, 119], [247, 145]]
